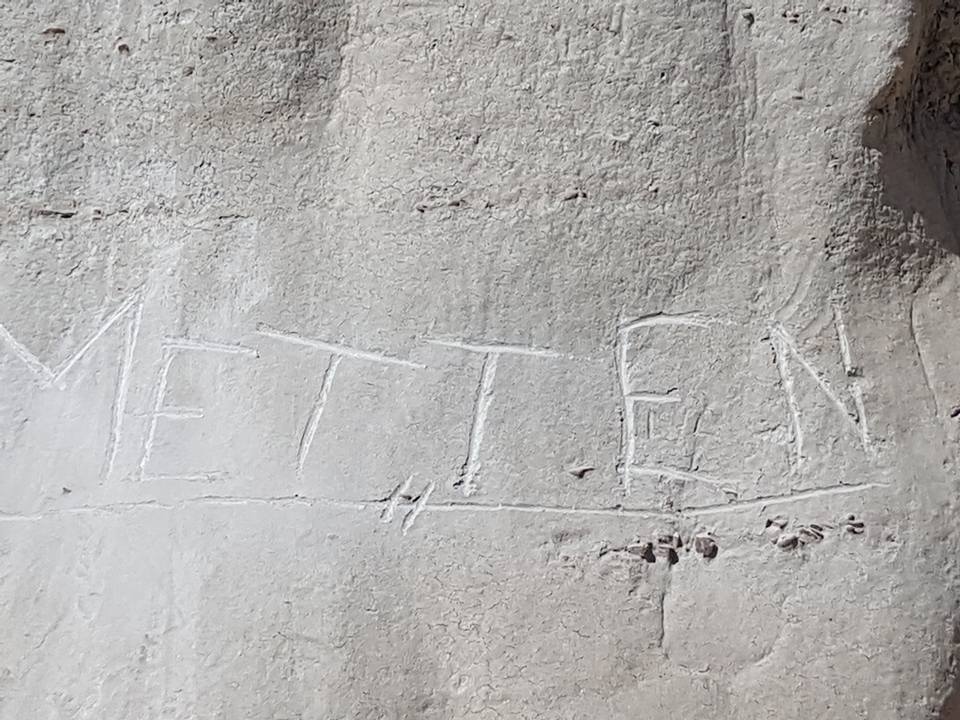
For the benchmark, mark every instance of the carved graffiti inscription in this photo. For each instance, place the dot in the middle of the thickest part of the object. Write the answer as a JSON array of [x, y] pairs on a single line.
[[713, 418]]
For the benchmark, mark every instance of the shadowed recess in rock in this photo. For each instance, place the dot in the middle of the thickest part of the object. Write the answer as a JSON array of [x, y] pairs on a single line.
[[914, 123]]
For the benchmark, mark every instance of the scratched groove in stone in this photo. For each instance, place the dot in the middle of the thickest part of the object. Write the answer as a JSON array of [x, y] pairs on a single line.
[[499, 360]]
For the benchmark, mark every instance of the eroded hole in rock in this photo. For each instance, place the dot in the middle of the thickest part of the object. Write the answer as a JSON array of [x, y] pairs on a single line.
[[915, 124]]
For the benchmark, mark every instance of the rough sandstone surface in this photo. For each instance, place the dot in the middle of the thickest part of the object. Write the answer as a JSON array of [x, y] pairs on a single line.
[[478, 360]]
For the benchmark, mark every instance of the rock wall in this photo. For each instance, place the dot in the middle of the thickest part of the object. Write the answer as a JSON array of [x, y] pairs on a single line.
[[496, 360]]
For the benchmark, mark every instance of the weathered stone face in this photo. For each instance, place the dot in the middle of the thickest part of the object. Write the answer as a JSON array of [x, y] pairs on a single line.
[[517, 360]]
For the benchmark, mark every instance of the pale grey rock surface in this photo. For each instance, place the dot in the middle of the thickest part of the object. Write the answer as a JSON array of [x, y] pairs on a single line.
[[495, 360]]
